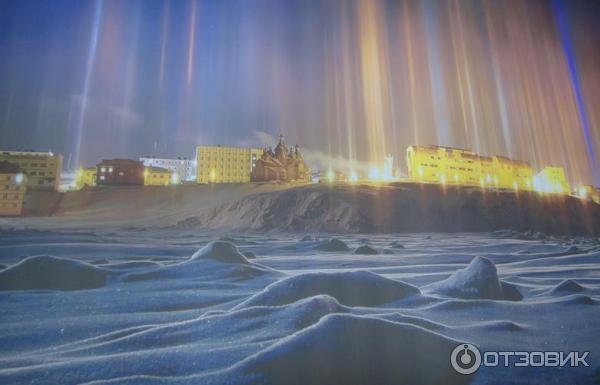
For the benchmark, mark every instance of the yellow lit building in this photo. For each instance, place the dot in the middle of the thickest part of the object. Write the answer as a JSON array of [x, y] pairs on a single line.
[[41, 168], [157, 176], [13, 185], [85, 177], [589, 192], [445, 165], [552, 180], [219, 164]]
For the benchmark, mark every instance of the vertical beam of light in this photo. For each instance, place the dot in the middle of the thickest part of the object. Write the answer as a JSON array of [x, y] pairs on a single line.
[[163, 43], [498, 83], [374, 59], [191, 43], [411, 71], [560, 12], [438, 90], [8, 111], [89, 66], [467, 72]]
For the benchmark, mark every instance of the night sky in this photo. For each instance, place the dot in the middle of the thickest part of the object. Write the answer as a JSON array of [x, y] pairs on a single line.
[[350, 81]]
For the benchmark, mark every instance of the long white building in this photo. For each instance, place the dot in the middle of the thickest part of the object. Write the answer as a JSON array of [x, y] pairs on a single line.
[[183, 169]]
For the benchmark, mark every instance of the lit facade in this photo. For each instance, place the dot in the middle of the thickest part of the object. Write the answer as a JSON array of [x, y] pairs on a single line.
[[219, 164], [444, 165], [182, 168], [552, 180], [120, 172], [157, 176], [85, 177], [42, 168], [13, 185]]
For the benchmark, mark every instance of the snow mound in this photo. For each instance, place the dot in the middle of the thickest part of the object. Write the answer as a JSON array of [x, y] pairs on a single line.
[[249, 254], [365, 250], [396, 245], [479, 280], [356, 288], [567, 286], [349, 349], [46, 272], [332, 245], [221, 251]]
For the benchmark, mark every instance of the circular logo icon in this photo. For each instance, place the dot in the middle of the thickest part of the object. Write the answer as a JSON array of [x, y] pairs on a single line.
[[465, 359]]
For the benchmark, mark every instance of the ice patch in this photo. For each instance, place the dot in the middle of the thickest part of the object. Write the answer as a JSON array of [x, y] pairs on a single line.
[[479, 280], [46, 272], [349, 349], [356, 288]]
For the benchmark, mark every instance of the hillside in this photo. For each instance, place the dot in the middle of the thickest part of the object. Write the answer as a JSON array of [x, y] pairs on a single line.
[[396, 207], [402, 207]]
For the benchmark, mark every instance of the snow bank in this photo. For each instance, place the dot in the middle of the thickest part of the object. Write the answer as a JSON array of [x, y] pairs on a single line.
[[221, 251], [332, 244], [479, 280], [46, 272], [356, 288], [568, 286], [217, 260], [365, 250], [349, 349]]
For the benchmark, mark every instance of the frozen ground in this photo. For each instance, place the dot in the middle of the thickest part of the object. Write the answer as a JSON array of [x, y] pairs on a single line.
[[158, 307]]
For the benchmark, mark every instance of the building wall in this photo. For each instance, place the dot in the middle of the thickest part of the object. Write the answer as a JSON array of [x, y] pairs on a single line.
[[433, 164], [185, 169], [217, 164], [157, 177], [120, 172], [552, 180], [42, 168], [85, 177], [12, 194]]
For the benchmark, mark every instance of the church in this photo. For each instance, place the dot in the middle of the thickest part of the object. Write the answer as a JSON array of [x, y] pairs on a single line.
[[281, 164]]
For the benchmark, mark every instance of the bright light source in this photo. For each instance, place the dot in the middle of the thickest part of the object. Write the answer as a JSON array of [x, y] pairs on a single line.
[[330, 176], [420, 171], [374, 173], [353, 177], [583, 192], [443, 179], [19, 178]]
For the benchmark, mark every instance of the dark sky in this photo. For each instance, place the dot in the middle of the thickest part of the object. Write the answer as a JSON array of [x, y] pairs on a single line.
[[348, 80]]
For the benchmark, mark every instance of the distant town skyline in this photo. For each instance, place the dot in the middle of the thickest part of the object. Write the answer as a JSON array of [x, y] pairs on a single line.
[[347, 80]]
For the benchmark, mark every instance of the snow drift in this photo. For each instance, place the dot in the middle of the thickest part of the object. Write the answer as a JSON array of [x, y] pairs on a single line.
[[332, 245], [46, 272], [356, 288], [479, 280], [349, 349]]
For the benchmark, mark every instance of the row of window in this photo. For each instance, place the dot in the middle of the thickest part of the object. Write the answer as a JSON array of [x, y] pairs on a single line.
[[9, 205], [5, 196]]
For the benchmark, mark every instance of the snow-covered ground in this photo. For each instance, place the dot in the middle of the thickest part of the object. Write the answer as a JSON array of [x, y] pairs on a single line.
[[169, 307]]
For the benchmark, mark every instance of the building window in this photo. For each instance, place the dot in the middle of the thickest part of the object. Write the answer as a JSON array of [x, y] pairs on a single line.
[[102, 177], [121, 173], [102, 169], [110, 169]]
